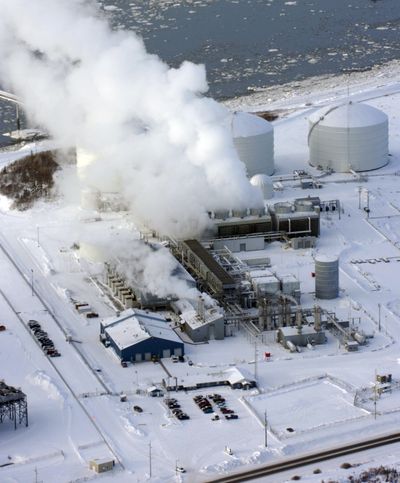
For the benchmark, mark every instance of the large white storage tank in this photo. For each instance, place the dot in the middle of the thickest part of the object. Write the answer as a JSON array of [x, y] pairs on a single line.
[[350, 136], [264, 184], [253, 138]]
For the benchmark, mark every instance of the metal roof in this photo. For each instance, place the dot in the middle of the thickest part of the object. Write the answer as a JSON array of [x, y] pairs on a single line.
[[197, 248]]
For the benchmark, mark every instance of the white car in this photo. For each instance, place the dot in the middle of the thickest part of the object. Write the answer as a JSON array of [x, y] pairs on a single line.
[[180, 469]]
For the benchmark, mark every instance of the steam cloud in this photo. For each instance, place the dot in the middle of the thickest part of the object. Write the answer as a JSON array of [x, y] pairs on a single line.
[[153, 134]]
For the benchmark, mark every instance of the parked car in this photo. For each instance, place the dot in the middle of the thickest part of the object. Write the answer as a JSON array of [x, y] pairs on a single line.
[[190, 362], [92, 315], [227, 411], [180, 469], [215, 417], [231, 416], [124, 364], [138, 409], [174, 358], [182, 416], [55, 353], [33, 324]]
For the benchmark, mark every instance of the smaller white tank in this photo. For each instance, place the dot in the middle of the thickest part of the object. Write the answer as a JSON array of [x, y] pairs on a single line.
[[264, 184], [253, 138]]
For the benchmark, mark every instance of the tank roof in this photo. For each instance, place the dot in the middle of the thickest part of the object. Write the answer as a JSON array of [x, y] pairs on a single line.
[[245, 125], [260, 180], [348, 115]]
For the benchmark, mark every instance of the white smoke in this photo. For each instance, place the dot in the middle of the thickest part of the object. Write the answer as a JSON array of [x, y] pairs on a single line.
[[153, 133]]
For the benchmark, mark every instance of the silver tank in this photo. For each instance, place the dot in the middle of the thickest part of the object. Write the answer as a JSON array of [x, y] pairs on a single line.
[[326, 277], [283, 207], [303, 205]]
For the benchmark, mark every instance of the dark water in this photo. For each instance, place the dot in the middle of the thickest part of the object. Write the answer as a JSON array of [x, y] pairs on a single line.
[[258, 43]]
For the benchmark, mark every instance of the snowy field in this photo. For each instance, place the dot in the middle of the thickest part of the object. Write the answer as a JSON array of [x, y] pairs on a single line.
[[75, 412]]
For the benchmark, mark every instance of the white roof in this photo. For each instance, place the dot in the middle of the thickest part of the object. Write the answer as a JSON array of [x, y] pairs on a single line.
[[134, 326], [245, 125], [348, 115], [192, 318], [235, 375], [325, 258]]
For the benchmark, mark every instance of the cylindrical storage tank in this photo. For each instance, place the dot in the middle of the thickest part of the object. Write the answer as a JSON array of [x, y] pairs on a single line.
[[283, 207], [348, 137], [303, 205], [264, 184], [253, 138], [326, 277]]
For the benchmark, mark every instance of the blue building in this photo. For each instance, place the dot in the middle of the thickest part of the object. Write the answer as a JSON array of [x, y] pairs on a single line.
[[137, 335]]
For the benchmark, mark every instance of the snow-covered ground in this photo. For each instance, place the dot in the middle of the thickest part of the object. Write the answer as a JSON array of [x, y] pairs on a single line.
[[75, 412]]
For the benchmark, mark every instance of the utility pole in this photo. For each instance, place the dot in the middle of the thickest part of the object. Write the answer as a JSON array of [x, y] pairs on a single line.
[[255, 360], [265, 430], [379, 317], [359, 197], [375, 396], [33, 293], [150, 459]]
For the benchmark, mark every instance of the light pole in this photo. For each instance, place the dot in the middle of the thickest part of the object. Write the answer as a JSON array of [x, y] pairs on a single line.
[[150, 459], [379, 317], [37, 237], [265, 430], [33, 293]]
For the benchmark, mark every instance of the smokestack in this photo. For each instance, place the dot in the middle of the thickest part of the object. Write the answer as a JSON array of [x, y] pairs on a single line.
[[317, 318], [201, 310]]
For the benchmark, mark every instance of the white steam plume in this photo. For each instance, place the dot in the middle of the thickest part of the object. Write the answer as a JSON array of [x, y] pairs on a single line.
[[148, 125]]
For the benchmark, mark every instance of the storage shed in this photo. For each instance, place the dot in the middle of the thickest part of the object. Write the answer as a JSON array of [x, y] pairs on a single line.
[[138, 336]]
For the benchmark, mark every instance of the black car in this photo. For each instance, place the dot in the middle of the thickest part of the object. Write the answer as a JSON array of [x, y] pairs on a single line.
[[39, 333], [183, 416], [54, 353], [231, 416], [138, 409], [33, 324]]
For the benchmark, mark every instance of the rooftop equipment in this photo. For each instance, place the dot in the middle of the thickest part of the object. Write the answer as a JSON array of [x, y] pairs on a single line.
[[346, 137], [253, 138]]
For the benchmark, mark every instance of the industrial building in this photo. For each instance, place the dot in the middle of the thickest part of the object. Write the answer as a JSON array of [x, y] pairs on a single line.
[[13, 405], [210, 273], [203, 325], [241, 222], [253, 138], [301, 218], [136, 335], [300, 336], [348, 137], [133, 294], [233, 377]]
